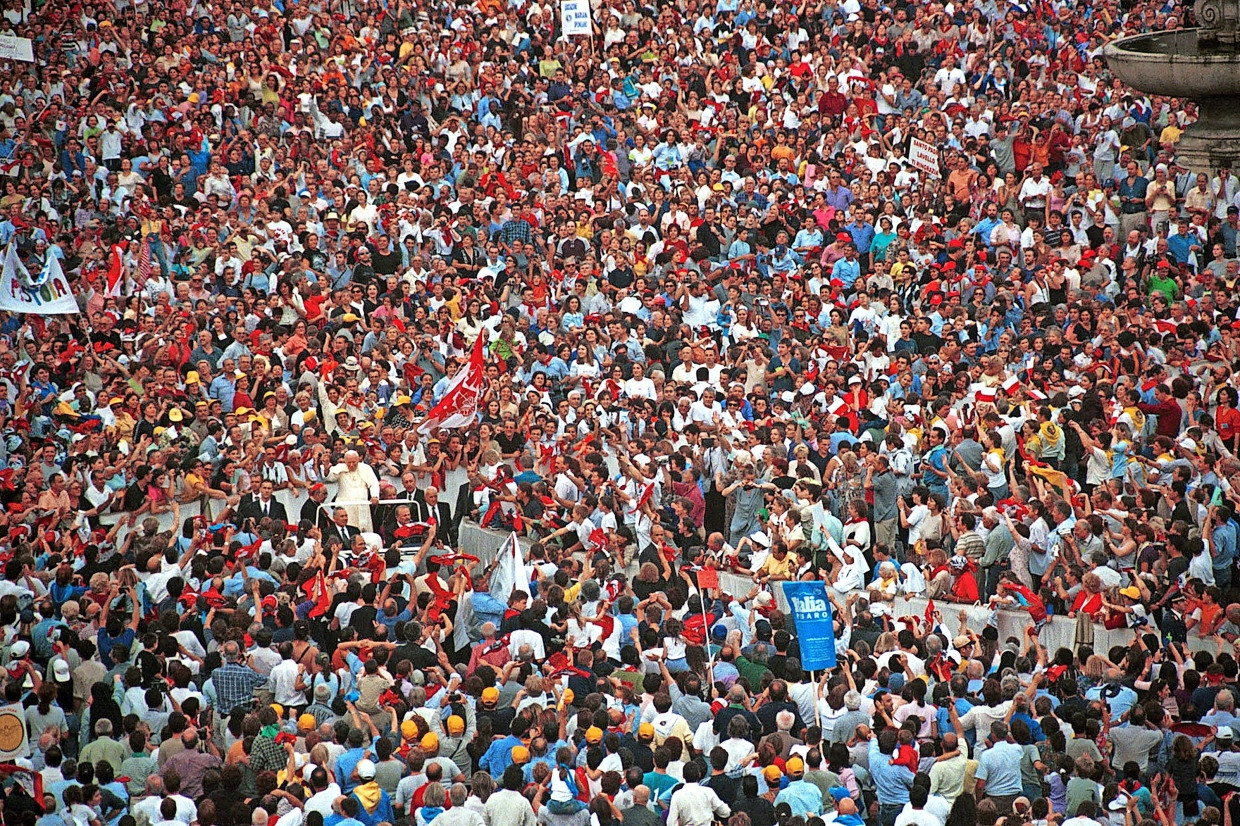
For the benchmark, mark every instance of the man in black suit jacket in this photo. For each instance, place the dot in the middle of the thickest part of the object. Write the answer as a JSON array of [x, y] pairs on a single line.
[[264, 505], [427, 507], [340, 527]]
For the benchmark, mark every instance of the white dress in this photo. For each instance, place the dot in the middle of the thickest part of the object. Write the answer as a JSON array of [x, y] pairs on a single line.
[[359, 485]]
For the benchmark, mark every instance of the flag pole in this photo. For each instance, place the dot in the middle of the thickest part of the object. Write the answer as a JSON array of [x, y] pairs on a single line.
[[817, 699]]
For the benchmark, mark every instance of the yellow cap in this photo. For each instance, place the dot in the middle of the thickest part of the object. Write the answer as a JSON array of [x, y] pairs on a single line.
[[645, 731], [520, 755], [191, 377], [430, 741], [772, 774], [193, 97], [408, 729], [594, 734], [490, 695], [456, 725], [241, 411], [795, 766], [115, 400], [306, 722], [175, 415], [278, 709]]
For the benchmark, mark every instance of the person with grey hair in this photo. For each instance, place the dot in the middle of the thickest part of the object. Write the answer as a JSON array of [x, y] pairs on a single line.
[[998, 775], [320, 706], [104, 747], [846, 724], [489, 650], [146, 810], [738, 706], [459, 814], [782, 738]]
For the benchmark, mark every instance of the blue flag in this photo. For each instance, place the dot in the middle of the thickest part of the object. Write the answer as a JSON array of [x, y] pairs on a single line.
[[811, 610]]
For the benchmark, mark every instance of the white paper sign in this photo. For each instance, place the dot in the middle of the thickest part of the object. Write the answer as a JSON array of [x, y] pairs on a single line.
[[52, 296], [924, 157], [16, 48], [575, 17]]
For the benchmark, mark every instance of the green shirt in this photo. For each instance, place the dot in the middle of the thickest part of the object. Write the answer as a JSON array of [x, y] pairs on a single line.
[[751, 670], [1166, 286]]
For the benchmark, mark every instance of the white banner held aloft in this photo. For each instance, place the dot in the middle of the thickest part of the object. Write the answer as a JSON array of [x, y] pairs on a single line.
[[575, 17], [16, 48], [51, 297], [510, 572], [924, 157]]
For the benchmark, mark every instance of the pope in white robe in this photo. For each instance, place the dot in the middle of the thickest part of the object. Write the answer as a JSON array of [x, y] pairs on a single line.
[[357, 483]]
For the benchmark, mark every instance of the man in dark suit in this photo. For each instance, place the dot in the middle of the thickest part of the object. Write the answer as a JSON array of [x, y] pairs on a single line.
[[340, 527], [264, 505], [400, 528], [427, 507]]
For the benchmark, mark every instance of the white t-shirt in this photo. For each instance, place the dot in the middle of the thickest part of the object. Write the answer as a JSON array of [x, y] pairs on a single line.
[[642, 388]]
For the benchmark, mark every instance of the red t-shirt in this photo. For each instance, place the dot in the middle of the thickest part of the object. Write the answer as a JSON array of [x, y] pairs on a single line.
[[1227, 422]]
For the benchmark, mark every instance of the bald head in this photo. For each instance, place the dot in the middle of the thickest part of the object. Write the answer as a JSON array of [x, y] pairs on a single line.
[[641, 795]]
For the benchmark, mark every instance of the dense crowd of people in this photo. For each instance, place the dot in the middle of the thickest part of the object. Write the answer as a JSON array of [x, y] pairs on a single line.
[[355, 280]]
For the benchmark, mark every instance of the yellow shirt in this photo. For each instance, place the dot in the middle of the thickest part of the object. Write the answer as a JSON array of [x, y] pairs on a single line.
[[777, 567]]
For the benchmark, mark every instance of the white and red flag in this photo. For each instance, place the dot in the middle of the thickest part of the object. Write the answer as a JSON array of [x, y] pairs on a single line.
[[459, 405]]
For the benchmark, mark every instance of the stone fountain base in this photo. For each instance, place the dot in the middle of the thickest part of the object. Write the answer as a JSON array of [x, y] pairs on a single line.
[[1175, 64]]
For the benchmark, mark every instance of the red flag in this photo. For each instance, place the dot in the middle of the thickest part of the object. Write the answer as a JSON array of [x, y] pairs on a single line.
[[598, 538], [1164, 327], [643, 497], [459, 405], [321, 596], [249, 551], [144, 263], [116, 272], [930, 614], [36, 778]]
